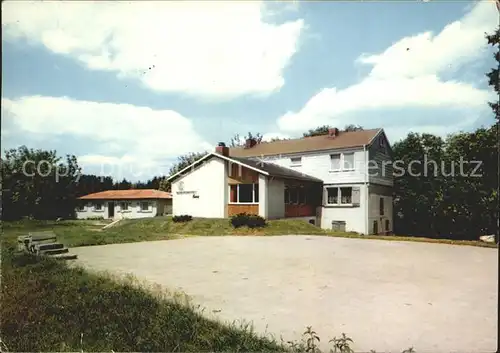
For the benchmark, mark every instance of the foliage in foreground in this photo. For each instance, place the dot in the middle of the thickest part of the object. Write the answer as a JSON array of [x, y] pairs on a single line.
[[49, 306], [247, 220], [182, 218]]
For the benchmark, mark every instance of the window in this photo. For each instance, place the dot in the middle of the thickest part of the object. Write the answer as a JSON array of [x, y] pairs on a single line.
[[342, 161], [244, 193], [124, 206], [144, 206], [301, 196], [346, 196], [294, 197], [381, 206], [335, 159], [296, 161], [387, 226], [348, 161], [333, 196], [287, 196], [97, 206], [342, 196], [80, 207], [375, 227]]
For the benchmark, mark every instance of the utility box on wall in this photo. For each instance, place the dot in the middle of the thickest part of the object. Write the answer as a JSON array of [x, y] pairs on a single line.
[[338, 226]]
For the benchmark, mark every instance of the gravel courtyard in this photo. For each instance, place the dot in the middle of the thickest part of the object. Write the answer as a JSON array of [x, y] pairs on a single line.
[[386, 295]]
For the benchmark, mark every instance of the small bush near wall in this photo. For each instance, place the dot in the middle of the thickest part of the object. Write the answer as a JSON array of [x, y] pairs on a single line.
[[182, 218], [248, 220], [100, 218]]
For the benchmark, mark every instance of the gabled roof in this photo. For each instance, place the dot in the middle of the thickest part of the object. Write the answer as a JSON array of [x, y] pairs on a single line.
[[265, 168], [132, 194], [348, 139]]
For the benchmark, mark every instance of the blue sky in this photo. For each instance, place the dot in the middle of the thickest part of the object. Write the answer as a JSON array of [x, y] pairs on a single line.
[[127, 87]]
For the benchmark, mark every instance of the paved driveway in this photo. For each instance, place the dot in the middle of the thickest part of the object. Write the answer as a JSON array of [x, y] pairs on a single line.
[[386, 295]]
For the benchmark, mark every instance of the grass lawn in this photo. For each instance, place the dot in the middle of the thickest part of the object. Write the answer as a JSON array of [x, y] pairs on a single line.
[[84, 233]]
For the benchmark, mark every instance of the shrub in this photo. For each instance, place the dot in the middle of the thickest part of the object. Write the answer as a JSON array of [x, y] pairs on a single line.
[[248, 220], [182, 218]]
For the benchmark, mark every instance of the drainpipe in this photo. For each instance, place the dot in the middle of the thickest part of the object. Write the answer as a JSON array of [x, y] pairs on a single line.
[[367, 224]]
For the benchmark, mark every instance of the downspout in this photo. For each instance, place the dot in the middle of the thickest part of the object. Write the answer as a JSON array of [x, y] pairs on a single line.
[[366, 191]]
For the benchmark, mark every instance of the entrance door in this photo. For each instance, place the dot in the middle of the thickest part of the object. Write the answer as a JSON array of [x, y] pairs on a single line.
[[111, 209]]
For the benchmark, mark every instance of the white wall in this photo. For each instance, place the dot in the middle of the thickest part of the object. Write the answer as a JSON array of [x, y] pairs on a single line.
[[134, 210], [318, 164], [209, 182], [263, 196], [355, 217], [276, 198], [89, 212]]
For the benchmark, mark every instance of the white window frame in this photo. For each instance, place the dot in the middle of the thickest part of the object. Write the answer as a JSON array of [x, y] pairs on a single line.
[[100, 209], [341, 162], [238, 195], [296, 161], [339, 196]]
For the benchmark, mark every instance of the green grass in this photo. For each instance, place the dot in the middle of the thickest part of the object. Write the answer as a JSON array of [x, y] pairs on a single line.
[[50, 306], [84, 233]]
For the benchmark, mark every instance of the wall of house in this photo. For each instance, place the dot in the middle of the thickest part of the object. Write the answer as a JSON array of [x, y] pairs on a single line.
[[276, 198], [381, 168], [90, 212], [318, 164], [376, 192], [204, 191], [133, 211], [354, 216], [164, 207]]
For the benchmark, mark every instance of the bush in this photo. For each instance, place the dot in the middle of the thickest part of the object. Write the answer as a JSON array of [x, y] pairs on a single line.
[[182, 218], [248, 220]]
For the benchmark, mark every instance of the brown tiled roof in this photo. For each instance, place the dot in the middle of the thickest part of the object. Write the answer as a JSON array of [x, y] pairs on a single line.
[[276, 170], [131, 194], [307, 144]]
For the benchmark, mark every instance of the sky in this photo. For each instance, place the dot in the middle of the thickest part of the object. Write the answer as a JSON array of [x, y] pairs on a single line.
[[127, 87]]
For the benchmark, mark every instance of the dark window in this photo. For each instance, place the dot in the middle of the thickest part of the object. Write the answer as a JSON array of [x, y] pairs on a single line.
[[301, 196], [256, 192], [245, 193], [333, 196], [375, 227], [346, 195], [387, 226], [81, 207], [381, 206], [144, 206], [98, 206], [293, 196], [287, 196]]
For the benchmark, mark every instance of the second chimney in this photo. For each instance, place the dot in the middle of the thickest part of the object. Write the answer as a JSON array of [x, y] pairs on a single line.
[[333, 132], [249, 143], [222, 149]]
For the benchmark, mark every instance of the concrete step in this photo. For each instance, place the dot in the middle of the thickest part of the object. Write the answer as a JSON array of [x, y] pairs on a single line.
[[54, 251], [48, 246]]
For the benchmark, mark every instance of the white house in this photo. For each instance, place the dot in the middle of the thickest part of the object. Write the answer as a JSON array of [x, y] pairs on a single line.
[[115, 204], [342, 180]]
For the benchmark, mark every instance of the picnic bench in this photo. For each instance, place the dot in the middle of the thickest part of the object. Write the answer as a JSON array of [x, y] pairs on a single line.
[[44, 244]]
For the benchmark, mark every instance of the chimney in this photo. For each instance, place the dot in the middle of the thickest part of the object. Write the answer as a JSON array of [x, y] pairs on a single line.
[[249, 143], [222, 149], [333, 132]]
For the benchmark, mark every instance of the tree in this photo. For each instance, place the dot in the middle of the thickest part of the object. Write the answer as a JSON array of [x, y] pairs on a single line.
[[38, 184], [323, 130], [493, 76], [238, 141]]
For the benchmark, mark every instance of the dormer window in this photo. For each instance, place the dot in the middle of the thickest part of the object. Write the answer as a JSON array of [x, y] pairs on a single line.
[[296, 161]]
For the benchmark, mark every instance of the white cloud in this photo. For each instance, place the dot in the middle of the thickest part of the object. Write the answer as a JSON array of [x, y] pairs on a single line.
[[402, 78], [205, 49], [126, 136]]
